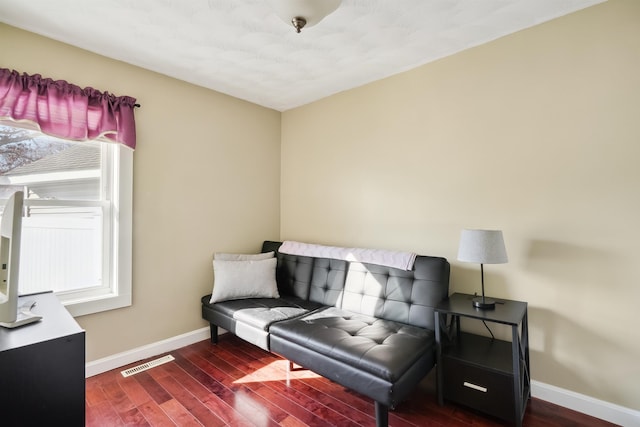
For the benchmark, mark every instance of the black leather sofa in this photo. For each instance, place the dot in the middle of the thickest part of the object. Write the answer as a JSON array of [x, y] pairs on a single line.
[[364, 326]]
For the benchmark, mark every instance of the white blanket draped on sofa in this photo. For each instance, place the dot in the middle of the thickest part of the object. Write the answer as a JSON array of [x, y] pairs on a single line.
[[395, 259]]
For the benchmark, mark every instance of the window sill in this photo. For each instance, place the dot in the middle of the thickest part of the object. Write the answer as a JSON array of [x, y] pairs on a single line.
[[97, 304]]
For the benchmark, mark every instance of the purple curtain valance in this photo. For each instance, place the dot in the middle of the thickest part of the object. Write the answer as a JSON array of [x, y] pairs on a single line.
[[65, 110]]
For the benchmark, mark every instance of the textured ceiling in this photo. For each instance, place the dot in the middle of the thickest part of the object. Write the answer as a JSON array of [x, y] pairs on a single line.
[[241, 48]]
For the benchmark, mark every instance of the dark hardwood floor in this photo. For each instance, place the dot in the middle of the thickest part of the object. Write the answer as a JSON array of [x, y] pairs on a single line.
[[237, 384]]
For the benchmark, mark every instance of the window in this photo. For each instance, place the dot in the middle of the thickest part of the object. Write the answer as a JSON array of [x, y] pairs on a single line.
[[76, 238]]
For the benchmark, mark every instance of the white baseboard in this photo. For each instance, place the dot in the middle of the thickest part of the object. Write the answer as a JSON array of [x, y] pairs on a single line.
[[578, 402], [130, 356], [587, 405]]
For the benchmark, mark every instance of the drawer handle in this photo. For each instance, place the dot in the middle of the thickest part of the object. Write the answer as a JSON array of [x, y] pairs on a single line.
[[475, 387]]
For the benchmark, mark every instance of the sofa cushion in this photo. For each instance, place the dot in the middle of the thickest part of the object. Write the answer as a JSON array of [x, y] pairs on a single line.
[[262, 312], [383, 348], [250, 318]]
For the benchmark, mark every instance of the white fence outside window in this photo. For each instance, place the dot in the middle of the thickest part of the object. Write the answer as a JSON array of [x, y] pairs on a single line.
[[60, 253]]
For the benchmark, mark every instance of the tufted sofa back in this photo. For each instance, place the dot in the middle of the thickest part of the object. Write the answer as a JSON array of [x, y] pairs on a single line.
[[398, 295], [378, 291], [327, 281], [293, 274]]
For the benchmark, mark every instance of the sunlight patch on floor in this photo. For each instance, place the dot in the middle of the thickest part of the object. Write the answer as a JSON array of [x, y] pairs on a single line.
[[276, 371]]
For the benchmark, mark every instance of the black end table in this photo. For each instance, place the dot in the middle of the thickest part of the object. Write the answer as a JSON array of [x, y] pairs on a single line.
[[484, 373]]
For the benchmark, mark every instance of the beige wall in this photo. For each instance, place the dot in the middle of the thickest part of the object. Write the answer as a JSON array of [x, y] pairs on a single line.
[[206, 178], [536, 134]]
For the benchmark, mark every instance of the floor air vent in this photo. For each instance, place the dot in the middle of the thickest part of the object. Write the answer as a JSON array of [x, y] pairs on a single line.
[[148, 365]]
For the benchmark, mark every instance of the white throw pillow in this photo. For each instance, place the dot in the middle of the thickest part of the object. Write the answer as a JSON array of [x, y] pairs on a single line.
[[244, 279], [243, 257]]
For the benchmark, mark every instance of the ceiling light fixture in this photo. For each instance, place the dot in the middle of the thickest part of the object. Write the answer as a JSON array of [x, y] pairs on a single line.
[[303, 13]]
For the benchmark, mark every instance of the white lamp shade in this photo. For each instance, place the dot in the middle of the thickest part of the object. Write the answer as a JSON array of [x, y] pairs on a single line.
[[482, 247], [313, 11]]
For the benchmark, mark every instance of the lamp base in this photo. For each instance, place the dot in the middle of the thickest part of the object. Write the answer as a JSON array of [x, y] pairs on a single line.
[[484, 303]]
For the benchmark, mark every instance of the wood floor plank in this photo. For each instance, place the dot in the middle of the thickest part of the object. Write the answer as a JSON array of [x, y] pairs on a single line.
[[292, 408], [190, 402], [102, 414], [240, 398], [155, 390], [325, 399], [154, 415], [134, 417], [258, 410], [553, 415], [179, 414], [357, 402], [292, 422], [237, 384], [241, 364], [137, 394], [215, 404], [118, 398], [94, 394], [311, 403], [360, 410]]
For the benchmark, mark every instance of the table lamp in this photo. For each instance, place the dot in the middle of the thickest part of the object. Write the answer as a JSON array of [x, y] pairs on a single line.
[[483, 247]]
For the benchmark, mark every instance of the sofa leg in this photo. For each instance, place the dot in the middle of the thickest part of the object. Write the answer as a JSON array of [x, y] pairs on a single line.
[[382, 415], [214, 333]]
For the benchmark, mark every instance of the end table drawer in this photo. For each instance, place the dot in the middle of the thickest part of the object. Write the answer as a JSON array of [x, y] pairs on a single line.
[[478, 388]]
